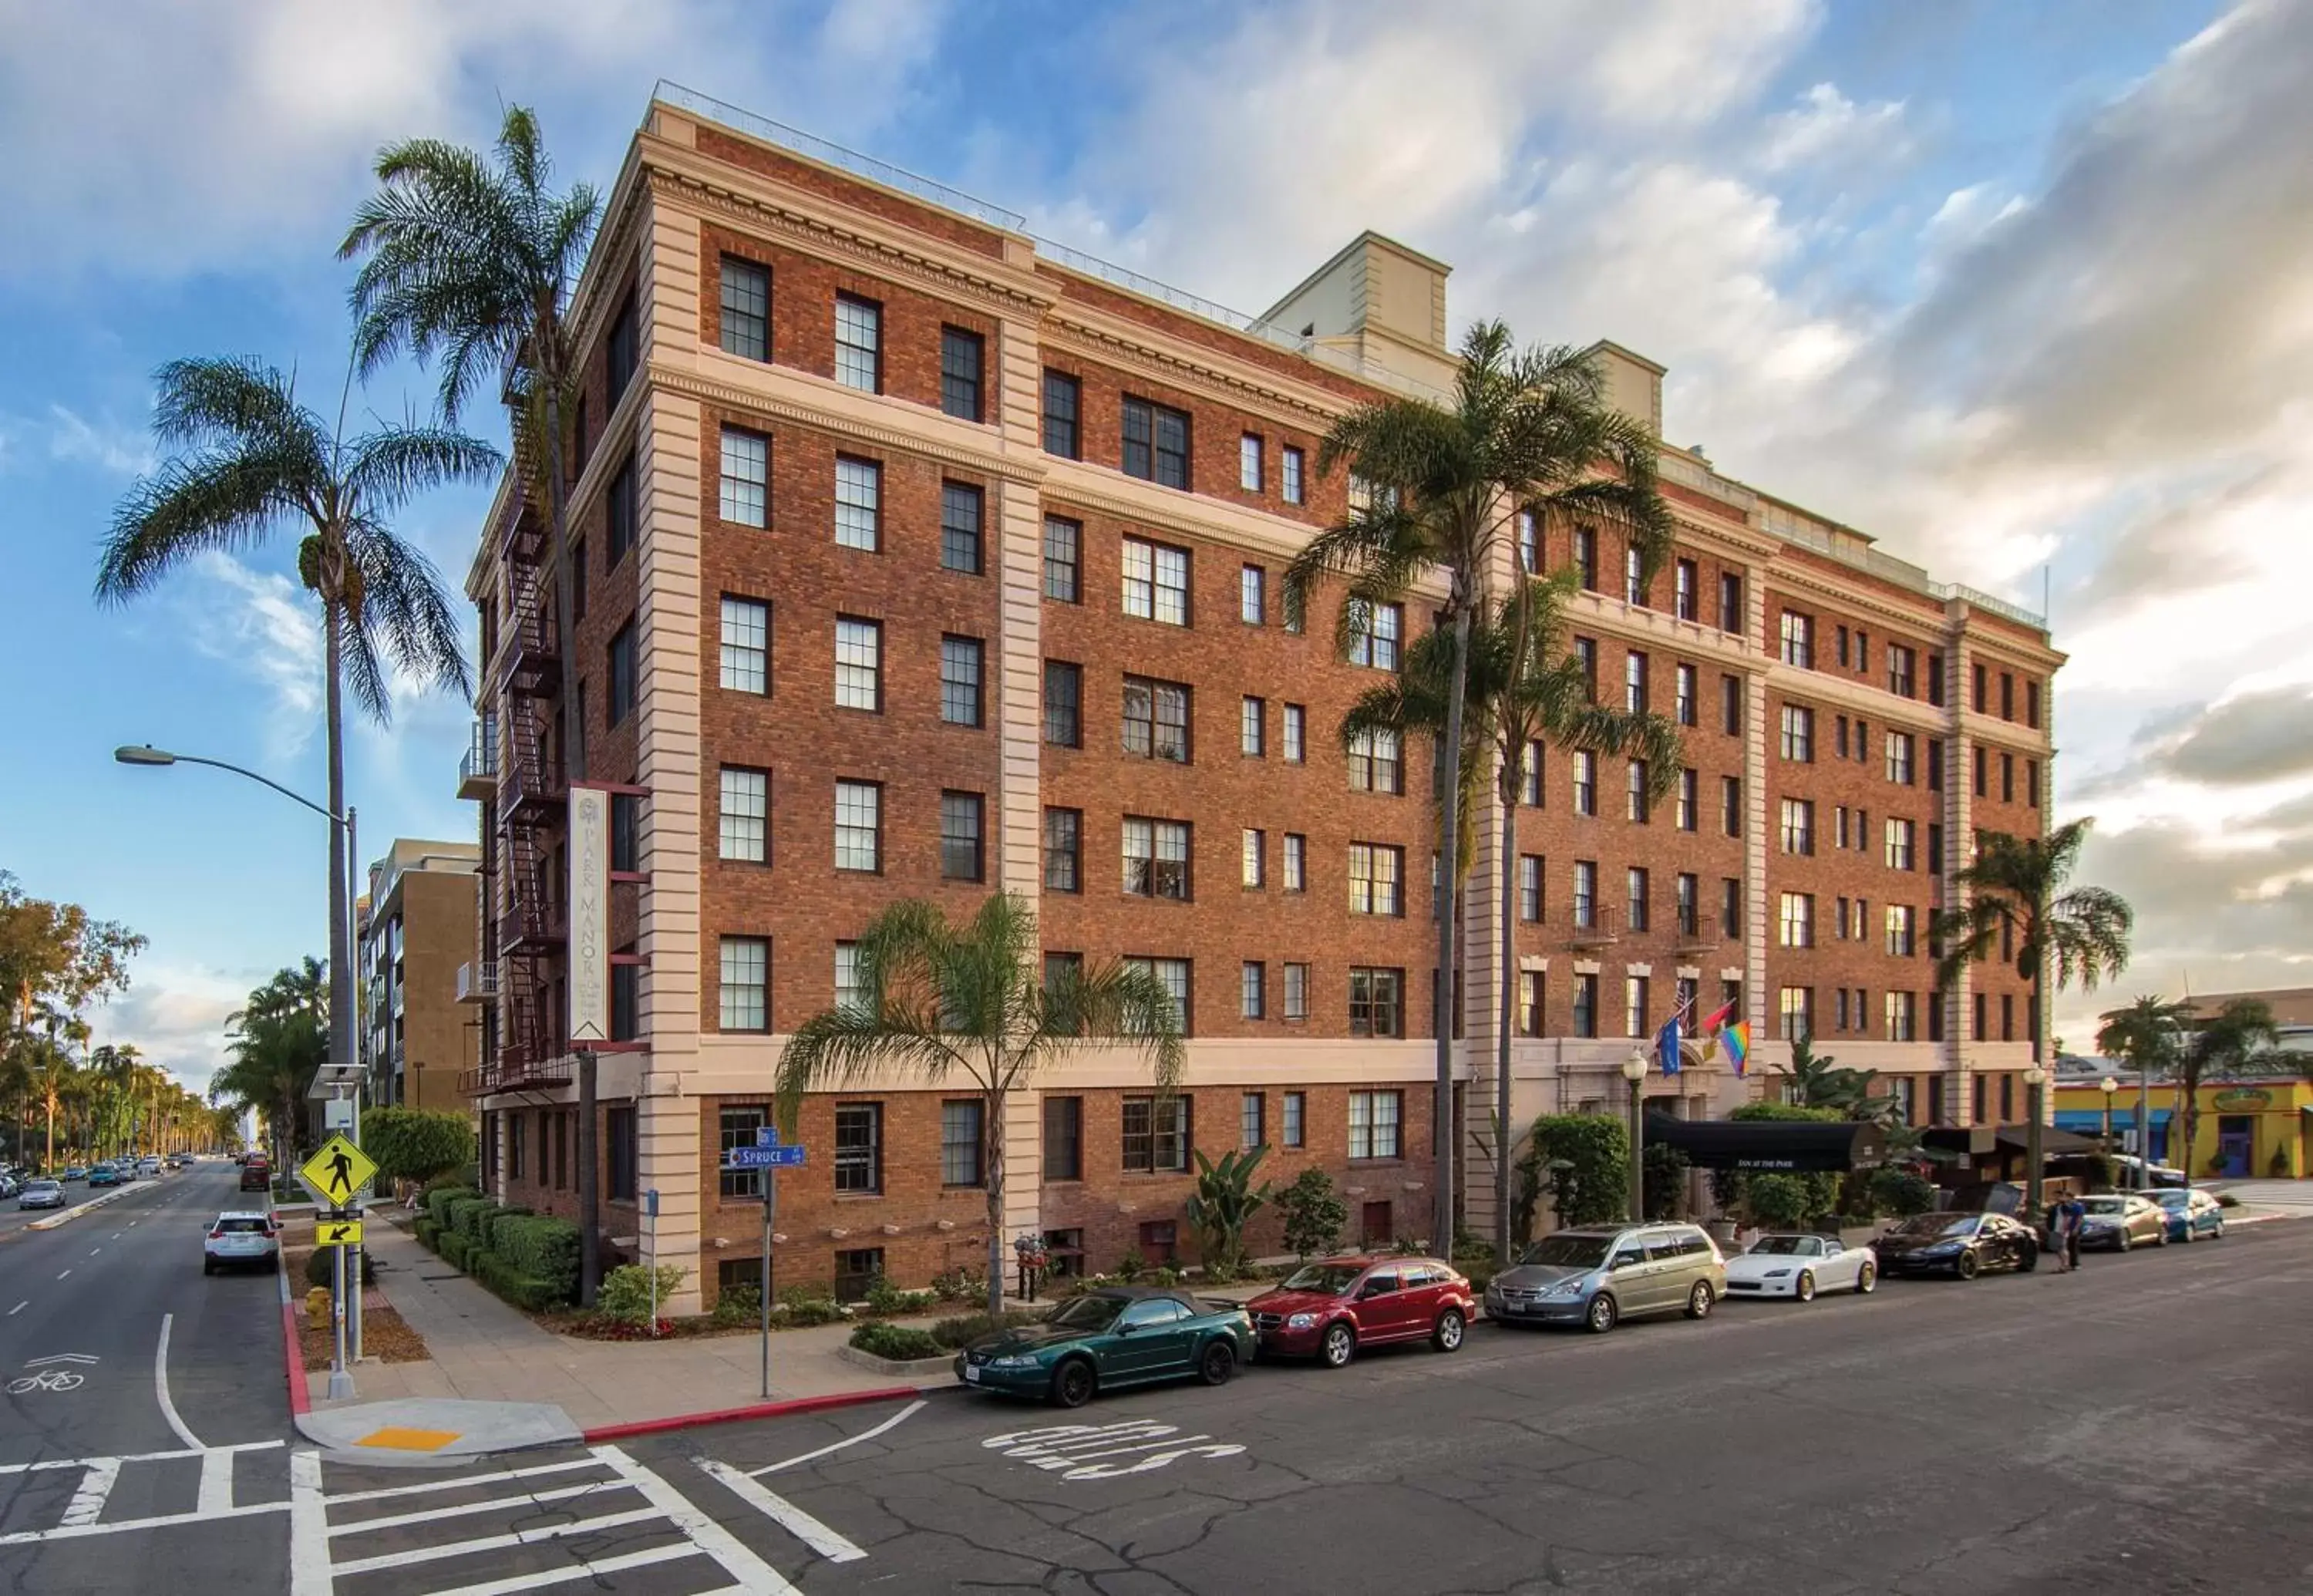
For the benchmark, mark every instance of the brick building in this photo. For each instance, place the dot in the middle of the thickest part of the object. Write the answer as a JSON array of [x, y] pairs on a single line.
[[417, 947], [921, 557]]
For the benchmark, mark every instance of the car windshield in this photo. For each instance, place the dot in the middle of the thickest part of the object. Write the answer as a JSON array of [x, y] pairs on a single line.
[[1785, 1246], [1088, 1313], [1937, 1225], [2171, 1199], [1567, 1250], [247, 1227], [42, 1185], [2105, 1204], [1331, 1279]]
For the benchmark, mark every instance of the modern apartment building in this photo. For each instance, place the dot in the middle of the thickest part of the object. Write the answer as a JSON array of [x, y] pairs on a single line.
[[418, 925], [920, 557]]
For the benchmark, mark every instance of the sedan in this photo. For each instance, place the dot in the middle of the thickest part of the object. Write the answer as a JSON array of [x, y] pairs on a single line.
[[41, 1193], [2190, 1215], [75, 1172], [1331, 1309], [2122, 1220], [1118, 1335], [1962, 1245], [1800, 1266]]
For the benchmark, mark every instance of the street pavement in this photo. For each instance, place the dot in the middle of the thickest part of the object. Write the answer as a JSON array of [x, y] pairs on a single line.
[[2139, 1426]]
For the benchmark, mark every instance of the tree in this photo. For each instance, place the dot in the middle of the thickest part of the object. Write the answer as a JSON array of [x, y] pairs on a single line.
[[1817, 1081], [1442, 491], [415, 1144], [1223, 1205], [2144, 1035], [276, 1042], [55, 960], [940, 1000], [1314, 1213], [472, 260], [2221, 1045], [56, 1081]]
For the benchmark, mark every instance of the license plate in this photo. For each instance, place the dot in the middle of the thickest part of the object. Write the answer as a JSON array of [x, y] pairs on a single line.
[[971, 1375]]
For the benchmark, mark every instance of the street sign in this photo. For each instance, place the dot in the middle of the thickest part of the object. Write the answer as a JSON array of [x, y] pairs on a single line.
[[338, 1232], [767, 1135], [765, 1157], [337, 1114], [336, 1171]]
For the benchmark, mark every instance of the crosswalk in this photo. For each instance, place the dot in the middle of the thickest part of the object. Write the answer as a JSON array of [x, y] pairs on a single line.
[[200, 1479]]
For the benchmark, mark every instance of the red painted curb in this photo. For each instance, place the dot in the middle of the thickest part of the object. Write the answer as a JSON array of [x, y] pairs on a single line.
[[293, 1359], [761, 1410]]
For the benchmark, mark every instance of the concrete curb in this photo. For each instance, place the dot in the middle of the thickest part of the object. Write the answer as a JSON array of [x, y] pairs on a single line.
[[761, 1410], [942, 1368], [292, 1352], [66, 1216]]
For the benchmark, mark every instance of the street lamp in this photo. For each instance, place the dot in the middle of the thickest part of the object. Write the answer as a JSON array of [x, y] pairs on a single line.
[[1634, 1071], [2034, 1080], [2109, 1086]]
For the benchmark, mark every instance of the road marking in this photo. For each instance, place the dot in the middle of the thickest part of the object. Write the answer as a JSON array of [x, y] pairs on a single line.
[[160, 1387], [783, 1513], [908, 1412], [216, 1481], [94, 1250], [751, 1573], [62, 1358], [1069, 1451], [594, 1568], [245, 1446], [121, 1526], [426, 1515], [61, 1277], [491, 1543], [468, 1479], [19, 1308], [87, 1505], [309, 1526]]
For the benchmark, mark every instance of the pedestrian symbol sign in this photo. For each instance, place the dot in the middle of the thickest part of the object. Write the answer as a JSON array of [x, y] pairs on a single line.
[[338, 1232], [336, 1172]]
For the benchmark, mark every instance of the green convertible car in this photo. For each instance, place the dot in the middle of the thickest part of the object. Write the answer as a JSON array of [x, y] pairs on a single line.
[[1111, 1337]]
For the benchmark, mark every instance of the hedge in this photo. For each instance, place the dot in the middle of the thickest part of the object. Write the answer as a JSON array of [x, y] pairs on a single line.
[[523, 1290], [543, 1248], [473, 1220], [899, 1343], [438, 1201], [456, 1250], [492, 1233], [429, 1233]]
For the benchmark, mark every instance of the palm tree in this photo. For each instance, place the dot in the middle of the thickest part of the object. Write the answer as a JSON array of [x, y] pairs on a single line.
[[940, 1000], [474, 258], [56, 1081], [16, 1083], [1818, 1081], [2144, 1034], [251, 459], [2018, 888], [274, 1043], [114, 1071], [1445, 487], [2220, 1044]]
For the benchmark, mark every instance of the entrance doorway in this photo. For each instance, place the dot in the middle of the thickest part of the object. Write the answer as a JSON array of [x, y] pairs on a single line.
[[2236, 1140], [1374, 1228]]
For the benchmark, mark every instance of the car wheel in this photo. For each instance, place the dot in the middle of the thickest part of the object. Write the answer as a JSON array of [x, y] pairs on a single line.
[[1340, 1345], [2217, 1232], [1602, 1315], [2124, 1243], [208, 1265], [1966, 1267], [1448, 1336], [1218, 1363], [1805, 1289], [1699, 1300], [2161, 1238], [2028, 1260], [1867, 1279], [1073, 1383]]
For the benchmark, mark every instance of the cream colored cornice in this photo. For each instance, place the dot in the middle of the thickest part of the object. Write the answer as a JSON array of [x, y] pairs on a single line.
[[1847, 692], [1114, 341]]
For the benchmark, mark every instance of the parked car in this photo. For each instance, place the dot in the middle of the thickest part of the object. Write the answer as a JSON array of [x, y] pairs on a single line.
[[102, 1174], [41, 1193], [9, 1186], [1791, 1265], [240, 1237], [75, 1172], [1597, 1276], [1331, 1309], [2130, 1171], [1964, 1245], [255, 1176], [2121, 1221], [1110, 1339], [148, 1167], [2190, 1214]]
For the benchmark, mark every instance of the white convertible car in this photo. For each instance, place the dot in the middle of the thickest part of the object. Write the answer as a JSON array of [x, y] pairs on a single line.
[[1797, 1266]]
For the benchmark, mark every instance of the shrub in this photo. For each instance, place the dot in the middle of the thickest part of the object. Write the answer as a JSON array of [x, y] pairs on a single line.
[[738, 1305], [1822, 1196], [457, 1248], [473, 1220], [1594, 1149], [1779, 1202], [899, 1343], [523, 1290], [491, 1233], [1164, 1275], [417, 1144], [885, 1300], [320, 1268], [625, 1294], [2226, 1200], [964, 1284], [810, 1305], [1664, 1176], [429, 1233], [1901, 1191], [544, 1249], [1315, 1215], [439, 1198], [1223, 1204], [971, 1327]]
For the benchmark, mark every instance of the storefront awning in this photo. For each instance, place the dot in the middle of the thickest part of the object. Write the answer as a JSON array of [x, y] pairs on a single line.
[[2089, 1122], [1767, 1145]]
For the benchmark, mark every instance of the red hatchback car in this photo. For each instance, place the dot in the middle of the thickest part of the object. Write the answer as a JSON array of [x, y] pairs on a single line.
[[1330, 1308]]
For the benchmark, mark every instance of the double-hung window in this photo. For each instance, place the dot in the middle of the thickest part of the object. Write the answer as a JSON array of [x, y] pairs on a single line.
[[1683, 695], [1376, 1004], [745, 815], [859, 663], [1796, 926], [859, 343], [1639, 898], [746, 478], [1376, 761], [1249, 473], [1156, 443], [746, 645], [1529, 885], [859, 825], [1641, 802], [1798, 826], [1635, 693], [1375, 633], [1289, 475], [1902, 930], [1157, 858], [1156, 582], [1685, 596], [1156, 719], [1252, 595], [1064, 850], [1586, 894], [1296, 1007], [858, 504], [1063, 703], [1253, 867], [1156, 1134], [1375, 1121], [746, 983], [1688, 781], [1899, 745], [962, 356], [961, 1142], [1799, 640], [1294, 734], [1297, 862], [746, 330], [1798, 733], [959, 681], [961, 507], [1586, 782], [860, 1147], [1063, 408], [1063, 560], [1377, 878], [962, 849], [1900, 855], [621, 669], [1253, 728], [1174, 976]]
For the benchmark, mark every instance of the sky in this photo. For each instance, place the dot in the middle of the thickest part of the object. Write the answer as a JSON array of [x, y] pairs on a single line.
[[2022, 291]]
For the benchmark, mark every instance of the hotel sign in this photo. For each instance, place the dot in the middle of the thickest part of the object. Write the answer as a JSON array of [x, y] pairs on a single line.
[[590, 919]]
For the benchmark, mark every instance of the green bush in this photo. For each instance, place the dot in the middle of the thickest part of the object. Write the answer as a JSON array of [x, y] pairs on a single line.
[[320, 1268], [899, 1343], [810, 1305], [738, 1304], [458, 1248], [523, 1290], [625, 1294], [417, 1144], [490, 1235], [1315, 1215], [970, 1327], [439, 1198], [1779, 1202], [540, 1246], [885, 1300], [1664, 1178], [429, 1233], [1821, 1196], [473, 1220], [1594, 1185], [1901, 1192]]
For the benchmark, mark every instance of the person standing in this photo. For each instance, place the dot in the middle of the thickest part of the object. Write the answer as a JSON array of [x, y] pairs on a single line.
[[2076, 1219], [2060, 1247]]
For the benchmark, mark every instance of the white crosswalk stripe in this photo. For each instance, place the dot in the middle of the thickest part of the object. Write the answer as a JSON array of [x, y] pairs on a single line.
[[83, 1514]]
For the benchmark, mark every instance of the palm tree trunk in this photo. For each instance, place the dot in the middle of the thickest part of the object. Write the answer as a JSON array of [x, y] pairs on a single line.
[[1445, 1137], [341, 963], [2032, 1188], [992, 1143], [1508, 977], [50, 1159]]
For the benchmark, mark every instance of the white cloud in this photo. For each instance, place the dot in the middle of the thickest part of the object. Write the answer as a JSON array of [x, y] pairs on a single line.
[[175, 1015], [122, 451], [1828, 127], [268, 627]]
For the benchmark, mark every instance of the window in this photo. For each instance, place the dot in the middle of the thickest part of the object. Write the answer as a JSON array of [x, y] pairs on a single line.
[[1586, 1005], [1063, 851], [1529, 1003], [1730, 805], [1838, 1008], [1635, 1005], [859, 663], [1634, 683], [962, 355], [2032, 705], [1688, 805], [1636, 892], [746, 309], [1900, 930], [1730, 601], [1063, 703], [1063, 406], [1683, 694], [1641, 806], [1374, 1118], [1798, 826], [1799, 640], [623, 508], [1586, 556], [1586, 894], [626, 1002], [1797, 926], [1980, 1032], [1586, 655], [959, 514], [746, 475], [1982, 688], [1156, 858], [620, 358], [1900, 836], [2032, 782], [1377, 1005], [1529, 884], [860, 1147], [1248, 462], [1156, 719], [1063, 1138], [1688, 890], [1252, 595], [1253, 990], [620, 1144], [1063, 556], [1856, 930], [1297, 862], [1156, 582], [1532, 776], [1529, 543], [960, 703], [1935, 848], [1296, 1007], [1253, 865], [1687, 603], [1634, 580], [1730, 906], [1297, 720], [1838, 736], [1731, 703], [1586, 782], [859, 825], [1899, 745], [1798, 733], [746, 806], [1289, 474], [739, 1127], [1156, 443], [1839, 924], [1903, 1014], [746, 983], [1862, 742], [1376, 879], [1374, 632], [1795, 1008], [623, 673], [1983, 766], [1252, 731], [1935, 765], [2007, 778], [960, 835], [1156, 1134], [959, 1142], [1159, 1248], [860, 344], [578, 579], [1251, 1131], [626, 842], [1376, 761], [1903, 671], [746, 641], [1839, 648], [851, 992], [859, 500], [2007, 1092], [2007, 696]]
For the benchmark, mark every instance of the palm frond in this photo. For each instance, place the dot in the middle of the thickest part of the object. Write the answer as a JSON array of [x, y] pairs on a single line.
[[232, 403], [404, 609], [393, 465], [223, 504]]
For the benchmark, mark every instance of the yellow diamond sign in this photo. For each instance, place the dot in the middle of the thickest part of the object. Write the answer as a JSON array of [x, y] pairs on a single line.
[[336, 1172], [338, 1232]]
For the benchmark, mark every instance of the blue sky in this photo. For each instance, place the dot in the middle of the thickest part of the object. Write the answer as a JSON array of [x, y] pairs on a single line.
[[2007, 287]]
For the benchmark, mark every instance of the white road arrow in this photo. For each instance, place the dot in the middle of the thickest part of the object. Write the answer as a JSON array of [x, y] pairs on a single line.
[[59, 1358]]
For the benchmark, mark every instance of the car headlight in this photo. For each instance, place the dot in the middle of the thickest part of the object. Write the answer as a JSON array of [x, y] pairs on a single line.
[[1565, 1288], [1014, 1361], [1776, 1274], [1941, 1249], [1301, 1321]]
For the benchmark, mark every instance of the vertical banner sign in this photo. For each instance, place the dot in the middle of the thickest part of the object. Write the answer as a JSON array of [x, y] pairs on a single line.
[[590, 929]]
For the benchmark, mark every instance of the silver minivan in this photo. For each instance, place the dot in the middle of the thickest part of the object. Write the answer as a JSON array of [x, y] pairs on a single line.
[[1597, 1276]]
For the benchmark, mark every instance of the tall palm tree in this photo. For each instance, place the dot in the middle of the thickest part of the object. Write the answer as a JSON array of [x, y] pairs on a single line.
[[2020, 888], [16, 1086], [57, 1081], [2144, 1034], [474, 258], [941, 1001], [275, 1042], [2222, 1042], [1446, 486], [113, 1070], [250, 460]]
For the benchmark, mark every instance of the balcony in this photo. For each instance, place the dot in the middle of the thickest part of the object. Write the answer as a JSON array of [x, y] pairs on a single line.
[[478, 768], [1593, 929], [477, 981], [1693, 940]]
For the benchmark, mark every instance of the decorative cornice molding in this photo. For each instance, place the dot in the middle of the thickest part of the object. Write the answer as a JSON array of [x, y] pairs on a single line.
[[1115, 341]]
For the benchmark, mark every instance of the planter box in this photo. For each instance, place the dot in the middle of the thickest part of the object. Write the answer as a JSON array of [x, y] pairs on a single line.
[[940, 1368]]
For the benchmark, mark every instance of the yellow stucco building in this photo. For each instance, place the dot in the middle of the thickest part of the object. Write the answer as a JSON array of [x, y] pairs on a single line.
[[2250, 1128]]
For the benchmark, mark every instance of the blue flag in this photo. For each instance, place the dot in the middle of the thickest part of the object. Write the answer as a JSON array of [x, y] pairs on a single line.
[[1667, 1045]]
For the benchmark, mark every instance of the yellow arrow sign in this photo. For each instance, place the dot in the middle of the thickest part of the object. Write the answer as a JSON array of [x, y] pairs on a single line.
[[338, 1232], [337, 1171]]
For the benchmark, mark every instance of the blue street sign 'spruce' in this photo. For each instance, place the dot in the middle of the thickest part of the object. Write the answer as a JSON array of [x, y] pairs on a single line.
[[763, 1158]]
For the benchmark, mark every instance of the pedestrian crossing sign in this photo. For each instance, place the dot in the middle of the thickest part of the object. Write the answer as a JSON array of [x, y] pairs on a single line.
[[336, 1171]]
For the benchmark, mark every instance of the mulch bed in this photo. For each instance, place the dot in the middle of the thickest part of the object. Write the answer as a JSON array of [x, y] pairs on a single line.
[[384, 1335]]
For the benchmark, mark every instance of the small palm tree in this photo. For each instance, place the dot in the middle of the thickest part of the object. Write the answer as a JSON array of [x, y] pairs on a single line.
[[1819, 1080], [1447, 485], [2221, 1043], [940, 1000], [2145, 1034]]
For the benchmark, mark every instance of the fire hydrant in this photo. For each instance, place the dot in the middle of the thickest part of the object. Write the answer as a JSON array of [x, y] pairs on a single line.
[[317, 1307]]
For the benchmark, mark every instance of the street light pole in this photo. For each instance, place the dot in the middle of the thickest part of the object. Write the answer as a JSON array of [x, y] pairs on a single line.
[[1634, 1071], [2035, 1080], [2110, 1086]]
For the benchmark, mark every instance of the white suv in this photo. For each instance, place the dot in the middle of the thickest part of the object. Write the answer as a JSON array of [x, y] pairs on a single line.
[[241, 1238]]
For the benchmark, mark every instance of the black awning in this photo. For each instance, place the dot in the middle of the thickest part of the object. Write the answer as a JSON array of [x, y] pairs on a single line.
[[1767, 1146]]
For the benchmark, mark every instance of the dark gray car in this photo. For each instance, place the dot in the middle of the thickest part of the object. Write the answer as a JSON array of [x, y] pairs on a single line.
[[1597, 1276]]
